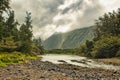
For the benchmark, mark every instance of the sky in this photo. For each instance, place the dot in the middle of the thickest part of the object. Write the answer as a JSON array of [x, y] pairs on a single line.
[[53, 16]]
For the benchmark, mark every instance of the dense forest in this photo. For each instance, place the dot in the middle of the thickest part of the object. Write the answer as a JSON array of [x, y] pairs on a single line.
[[106, 43], [16, 38]]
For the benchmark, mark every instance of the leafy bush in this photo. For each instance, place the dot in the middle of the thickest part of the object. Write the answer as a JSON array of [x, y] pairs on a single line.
[[106, 47], [86, 49], [118, 53], [8, 45], [82, 50], [14, 58]]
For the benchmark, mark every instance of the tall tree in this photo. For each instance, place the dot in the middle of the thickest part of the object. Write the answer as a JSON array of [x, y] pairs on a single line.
[[26, 34], [108, 25], [107, 36], [4, 6], [38, 45], [11, 26]]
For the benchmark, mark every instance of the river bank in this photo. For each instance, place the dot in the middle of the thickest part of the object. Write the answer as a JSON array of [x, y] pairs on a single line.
[[39, 70], [109, 61]]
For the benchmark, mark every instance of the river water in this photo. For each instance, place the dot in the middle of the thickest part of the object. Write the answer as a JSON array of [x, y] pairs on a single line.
[[76, 60]]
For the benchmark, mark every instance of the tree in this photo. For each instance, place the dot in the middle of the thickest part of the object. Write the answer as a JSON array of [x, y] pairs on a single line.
[[107, 36], [4, 5], [26, 28], [8, 34], [26, 34], [11, 26], [106, 43], [1, 29], [89, 46], [108, 25], [106, 48], [38, 48]]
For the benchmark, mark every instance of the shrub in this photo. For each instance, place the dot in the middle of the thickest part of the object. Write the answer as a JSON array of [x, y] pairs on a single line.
[[82, 50], [118, 53], [106, 47], [8, 45], [14, 58]]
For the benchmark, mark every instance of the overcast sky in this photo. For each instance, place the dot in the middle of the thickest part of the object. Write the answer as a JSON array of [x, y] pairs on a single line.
[[50, 16]]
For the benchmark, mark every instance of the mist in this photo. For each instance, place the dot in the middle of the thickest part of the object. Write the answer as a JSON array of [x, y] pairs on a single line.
[[51, 16]]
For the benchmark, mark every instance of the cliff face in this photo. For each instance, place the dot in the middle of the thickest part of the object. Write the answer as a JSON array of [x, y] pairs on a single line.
[[69, 40]]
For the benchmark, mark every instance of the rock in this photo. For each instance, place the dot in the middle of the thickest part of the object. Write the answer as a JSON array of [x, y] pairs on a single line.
[[42, 77], [38, 70], [62, 61], [8, 69]]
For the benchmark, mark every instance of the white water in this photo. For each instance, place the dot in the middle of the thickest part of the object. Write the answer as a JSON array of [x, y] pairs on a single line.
[[79, 61]]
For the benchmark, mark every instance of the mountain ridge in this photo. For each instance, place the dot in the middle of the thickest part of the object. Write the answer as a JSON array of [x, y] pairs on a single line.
[[70, 39]]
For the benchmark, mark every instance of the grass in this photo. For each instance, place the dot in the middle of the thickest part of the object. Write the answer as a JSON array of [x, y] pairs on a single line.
[[110, 60], [14, 58]]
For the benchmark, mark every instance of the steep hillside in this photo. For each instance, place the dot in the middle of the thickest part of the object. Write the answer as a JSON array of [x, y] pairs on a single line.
[[69, 40]]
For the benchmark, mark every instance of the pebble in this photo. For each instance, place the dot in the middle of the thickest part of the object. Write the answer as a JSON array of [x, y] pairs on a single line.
[[67, 71]]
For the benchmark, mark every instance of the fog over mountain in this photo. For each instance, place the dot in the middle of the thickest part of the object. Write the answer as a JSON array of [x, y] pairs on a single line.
[[50, 16]]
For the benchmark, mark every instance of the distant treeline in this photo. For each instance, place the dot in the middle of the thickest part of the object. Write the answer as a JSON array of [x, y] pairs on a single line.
[[61, 51]]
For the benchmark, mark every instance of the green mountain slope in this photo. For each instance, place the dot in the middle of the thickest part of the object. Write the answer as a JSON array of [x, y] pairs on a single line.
[[69, 40]]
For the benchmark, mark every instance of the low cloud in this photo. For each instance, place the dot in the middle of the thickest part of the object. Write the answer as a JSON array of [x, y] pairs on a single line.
[[51, 16]]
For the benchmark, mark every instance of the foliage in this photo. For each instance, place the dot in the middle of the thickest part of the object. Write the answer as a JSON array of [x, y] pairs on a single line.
[[26, 34], [108, 25], [60, 51], [86, 49], [8, 45], [118, 53], [89, 46], [82, 50], [106, 47], [11, 26], [4, 5], [14, 58], [107, 39], [37, 46], [16, 42]]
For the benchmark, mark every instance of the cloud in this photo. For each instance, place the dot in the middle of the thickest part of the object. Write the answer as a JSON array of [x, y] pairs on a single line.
[[79, 14], [45, 31], [42, 10], [51, 16], [110, 5]]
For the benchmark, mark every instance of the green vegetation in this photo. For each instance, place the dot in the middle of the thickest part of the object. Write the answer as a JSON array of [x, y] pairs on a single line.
[[61, 51], [106, 47], [16, 43], [37, 46], [106, 43], [14, 58]]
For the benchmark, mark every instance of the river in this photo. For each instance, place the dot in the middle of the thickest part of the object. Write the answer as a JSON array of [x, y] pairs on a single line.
[[76, 60]]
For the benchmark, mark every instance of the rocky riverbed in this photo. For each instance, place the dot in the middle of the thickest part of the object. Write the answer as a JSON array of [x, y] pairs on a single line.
[[39, 70]]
